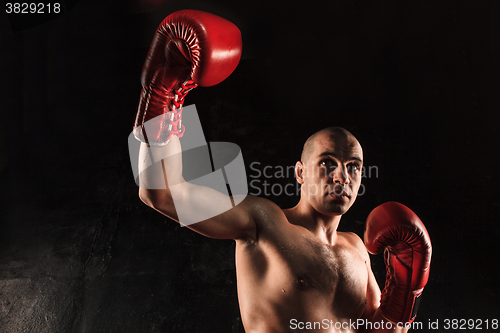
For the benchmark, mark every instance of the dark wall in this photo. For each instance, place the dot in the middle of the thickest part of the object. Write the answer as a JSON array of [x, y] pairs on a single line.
[[417, 82]]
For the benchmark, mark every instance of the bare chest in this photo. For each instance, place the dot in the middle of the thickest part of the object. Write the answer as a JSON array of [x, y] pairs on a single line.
[[333, 271], [300, 269], [299, 278]]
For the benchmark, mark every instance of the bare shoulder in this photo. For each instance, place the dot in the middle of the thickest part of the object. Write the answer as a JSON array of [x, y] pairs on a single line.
[[255, 206], [354, 240], [258, 203], [263, 211]]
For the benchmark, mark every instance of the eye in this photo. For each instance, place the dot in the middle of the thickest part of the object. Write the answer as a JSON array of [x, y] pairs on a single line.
[[354, 167], [327, 163]]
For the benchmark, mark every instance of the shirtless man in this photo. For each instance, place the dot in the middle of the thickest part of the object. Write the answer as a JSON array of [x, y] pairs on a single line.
[[295, 271]]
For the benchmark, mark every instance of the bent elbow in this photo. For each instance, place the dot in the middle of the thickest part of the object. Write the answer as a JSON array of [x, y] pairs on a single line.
[[148, 197], [159, 200], [144, 196]]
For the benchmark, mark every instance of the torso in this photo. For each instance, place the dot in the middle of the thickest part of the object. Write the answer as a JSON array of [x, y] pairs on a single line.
[[288, 279]]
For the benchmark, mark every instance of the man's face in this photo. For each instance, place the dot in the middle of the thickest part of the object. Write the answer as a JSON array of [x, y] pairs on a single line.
[[331, 176]]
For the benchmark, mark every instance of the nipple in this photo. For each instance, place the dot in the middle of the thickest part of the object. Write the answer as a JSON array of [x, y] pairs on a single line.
[[302, 283]]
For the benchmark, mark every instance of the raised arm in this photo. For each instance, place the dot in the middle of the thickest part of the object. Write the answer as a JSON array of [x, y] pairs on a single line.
[[236, 222], [189, 48]]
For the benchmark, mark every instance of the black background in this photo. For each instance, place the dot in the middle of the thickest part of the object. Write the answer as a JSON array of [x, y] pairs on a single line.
[[416, 82]]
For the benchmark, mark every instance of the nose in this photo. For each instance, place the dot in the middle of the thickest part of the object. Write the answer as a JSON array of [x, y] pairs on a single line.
[[340, 175]]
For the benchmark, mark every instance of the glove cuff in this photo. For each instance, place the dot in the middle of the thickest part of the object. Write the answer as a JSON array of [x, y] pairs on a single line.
[[399, 305], [157, 131]]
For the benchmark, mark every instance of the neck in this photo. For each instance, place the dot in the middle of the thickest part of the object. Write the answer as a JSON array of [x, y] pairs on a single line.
[[323, 226]]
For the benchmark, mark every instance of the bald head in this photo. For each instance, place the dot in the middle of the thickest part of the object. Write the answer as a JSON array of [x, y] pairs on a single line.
[[332, 159], [335, 134]]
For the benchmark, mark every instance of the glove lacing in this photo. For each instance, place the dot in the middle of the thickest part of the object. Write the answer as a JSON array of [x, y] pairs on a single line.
[[175, 115], [388, 279]]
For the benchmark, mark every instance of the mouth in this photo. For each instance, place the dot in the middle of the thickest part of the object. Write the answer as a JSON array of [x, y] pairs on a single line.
[[339, 192], [340, 195]]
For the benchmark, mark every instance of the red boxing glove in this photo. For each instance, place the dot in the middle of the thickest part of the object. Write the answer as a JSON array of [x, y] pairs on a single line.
[[189, 48], [395, 228]]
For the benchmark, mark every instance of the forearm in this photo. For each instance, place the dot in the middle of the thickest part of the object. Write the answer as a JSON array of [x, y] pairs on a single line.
[[163, 187], [159, 168]]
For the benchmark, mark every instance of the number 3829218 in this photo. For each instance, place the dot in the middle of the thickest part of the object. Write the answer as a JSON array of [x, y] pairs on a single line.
[[470, 324], [32, 8]]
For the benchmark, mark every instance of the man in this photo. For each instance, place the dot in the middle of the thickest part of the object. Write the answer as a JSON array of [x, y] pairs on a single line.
[[295, 271]]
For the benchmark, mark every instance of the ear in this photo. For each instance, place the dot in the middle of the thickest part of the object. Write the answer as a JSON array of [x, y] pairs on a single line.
[[299, 172]]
